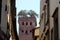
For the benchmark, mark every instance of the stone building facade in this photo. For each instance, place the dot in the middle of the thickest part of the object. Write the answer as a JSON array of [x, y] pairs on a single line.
[[50, 19], [8, 20], [26, 24]]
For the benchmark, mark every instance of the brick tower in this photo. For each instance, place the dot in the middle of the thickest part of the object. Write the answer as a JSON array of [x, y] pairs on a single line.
[[26, 24]]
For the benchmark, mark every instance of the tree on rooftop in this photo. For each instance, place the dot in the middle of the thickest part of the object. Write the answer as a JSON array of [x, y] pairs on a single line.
[[32, 13], [24, 13]]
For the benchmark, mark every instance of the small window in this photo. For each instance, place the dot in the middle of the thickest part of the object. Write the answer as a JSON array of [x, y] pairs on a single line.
[[5, 7], [26, 32], [7, 25], [22, 31], [52, 34], [30, 23], [22, 23], [59, 2], [30, 30], [26, 23]]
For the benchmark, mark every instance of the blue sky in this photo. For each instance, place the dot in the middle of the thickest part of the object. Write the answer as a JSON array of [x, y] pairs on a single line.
[[28, 5]]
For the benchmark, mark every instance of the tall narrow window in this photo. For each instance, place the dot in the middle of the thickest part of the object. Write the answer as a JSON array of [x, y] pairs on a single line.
[[8, 30], [22, 23], [47, 34], [26, 32], [56, 29], [55, 15], [59, 2], [26, 23], [30, 23], [52, 34], [5, 7], [22, 31]]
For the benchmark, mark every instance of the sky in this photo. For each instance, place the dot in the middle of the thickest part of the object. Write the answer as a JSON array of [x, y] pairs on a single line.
[[28, 5]]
